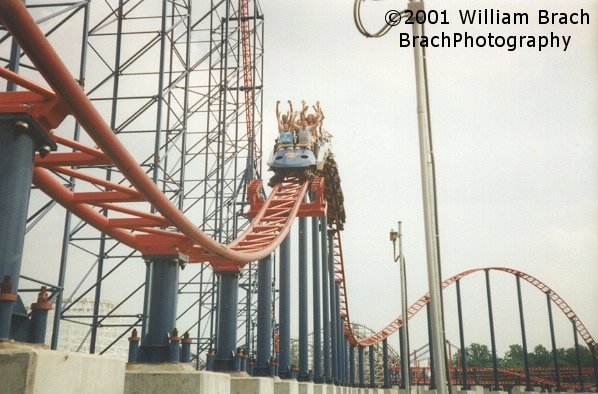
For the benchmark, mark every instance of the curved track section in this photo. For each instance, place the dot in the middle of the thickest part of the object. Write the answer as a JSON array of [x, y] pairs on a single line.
[[421, 302], [168, 231]]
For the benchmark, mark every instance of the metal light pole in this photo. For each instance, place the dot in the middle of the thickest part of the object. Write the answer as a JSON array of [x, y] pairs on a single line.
[[428, 186], [394, 235], [429, 202]]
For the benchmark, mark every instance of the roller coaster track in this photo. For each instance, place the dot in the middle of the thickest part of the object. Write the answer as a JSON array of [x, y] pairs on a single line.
[[422, 301], [162, 229], [167, 232]]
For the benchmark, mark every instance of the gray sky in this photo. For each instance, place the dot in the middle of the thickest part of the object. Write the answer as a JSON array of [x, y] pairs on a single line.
[[515, 138]]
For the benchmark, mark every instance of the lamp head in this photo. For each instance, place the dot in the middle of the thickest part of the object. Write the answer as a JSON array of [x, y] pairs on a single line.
[[394, 235]]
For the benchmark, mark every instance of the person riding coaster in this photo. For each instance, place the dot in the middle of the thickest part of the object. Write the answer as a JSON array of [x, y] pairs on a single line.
[[301, 147]]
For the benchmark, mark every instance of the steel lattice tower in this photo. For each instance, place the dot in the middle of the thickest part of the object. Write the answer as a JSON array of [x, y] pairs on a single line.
[[180, 82]]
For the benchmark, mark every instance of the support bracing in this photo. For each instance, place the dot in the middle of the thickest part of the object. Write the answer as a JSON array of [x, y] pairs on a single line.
[[264, 317]]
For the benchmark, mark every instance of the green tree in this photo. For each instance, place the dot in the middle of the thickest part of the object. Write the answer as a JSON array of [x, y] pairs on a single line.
[[478, 355], [541, 357], [513, 357]]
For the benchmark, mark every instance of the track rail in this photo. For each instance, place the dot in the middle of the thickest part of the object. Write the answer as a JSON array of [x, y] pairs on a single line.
[[167, 231], [422, 301]]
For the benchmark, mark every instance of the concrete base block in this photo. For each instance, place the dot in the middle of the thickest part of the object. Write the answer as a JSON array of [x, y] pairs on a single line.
[[28, 368], [478, 389], [166, 378], [467, 392], [251, 385], [517, 389], [306, 388], [320, 388], [391, 391], [286, 386]]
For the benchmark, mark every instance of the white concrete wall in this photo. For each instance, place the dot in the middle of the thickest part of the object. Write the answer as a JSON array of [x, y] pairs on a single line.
[[26, 368]]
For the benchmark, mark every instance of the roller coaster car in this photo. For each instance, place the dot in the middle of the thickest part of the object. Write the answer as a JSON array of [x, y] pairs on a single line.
[[299, 160]]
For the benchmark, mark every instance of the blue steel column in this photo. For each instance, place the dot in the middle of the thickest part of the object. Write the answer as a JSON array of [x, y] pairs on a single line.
[[346, 358], [577, 357], [385, 363], [226, 341], [555, 359], [339, 332], [303, 305], [317, 343], [333, 312], [528, 384], [492, 340], [404, 363], [351, 365], [462, 337], [264, 317], [431, 351], [360, 363], [325, 300], [16, 161], [284, 309], [162, 312], [372, 370]]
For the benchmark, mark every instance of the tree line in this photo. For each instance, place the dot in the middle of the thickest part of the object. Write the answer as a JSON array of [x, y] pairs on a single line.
[[478, 355]]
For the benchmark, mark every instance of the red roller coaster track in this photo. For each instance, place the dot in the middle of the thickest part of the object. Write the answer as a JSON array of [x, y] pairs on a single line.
[[168, 231], [422, 301]]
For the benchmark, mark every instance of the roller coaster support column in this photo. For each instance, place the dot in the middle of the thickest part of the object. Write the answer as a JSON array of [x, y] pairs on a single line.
[[492, 338], [226, 342], [429, 195], [351, 365], [303, 375], [528, 384], [333, 311], [577, 356], [339, 333], [264, 317], [19, 138], [555, 359], [317, 342], [163, 284], [325, 300], [360, 363], [284, 311], [431, 350], [461, 337], [372, 369], [385, 363]]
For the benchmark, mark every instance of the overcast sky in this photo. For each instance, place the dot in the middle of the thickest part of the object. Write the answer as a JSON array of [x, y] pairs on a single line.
[[515, 140]]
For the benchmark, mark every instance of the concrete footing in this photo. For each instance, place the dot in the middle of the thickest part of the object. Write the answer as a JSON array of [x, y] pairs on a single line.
[[285, 386], [167, 378], [240, 384], [27, 368]]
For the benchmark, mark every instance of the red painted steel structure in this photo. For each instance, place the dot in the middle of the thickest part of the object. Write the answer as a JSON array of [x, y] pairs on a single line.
[[422, 301], [169, 232]]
